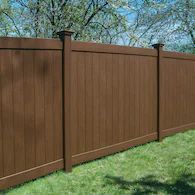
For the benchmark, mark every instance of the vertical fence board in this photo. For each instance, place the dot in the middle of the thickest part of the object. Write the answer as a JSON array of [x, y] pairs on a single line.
[[96, 93], [137, 97], [102, 101], [1, 126], [7, 112], [39, 75], [49, 112], [57, 105], [73, 111], [18, 110], [144, 96], [81, 102], [109, 99], [29, 110], [128, 109], [121, 97], [141, 102], [89, 102], [115, 114], [191, 93], [152, 117], [131, 73]]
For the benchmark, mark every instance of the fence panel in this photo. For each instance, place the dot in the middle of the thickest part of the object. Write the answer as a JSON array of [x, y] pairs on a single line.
[[177, 93], [31, 141], [113, 99]]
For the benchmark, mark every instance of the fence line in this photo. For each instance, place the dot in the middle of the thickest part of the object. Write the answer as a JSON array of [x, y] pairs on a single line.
[[65, 102]]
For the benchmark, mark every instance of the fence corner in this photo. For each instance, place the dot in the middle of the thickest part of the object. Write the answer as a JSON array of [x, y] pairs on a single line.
[[65, 37]]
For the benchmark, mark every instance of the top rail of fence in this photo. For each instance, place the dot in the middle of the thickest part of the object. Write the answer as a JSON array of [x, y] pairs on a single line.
[[113, 49], [30, 43], [177, 55]]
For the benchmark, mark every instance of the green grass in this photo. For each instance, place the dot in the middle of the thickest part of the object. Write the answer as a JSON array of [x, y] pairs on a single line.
[[155, 168]]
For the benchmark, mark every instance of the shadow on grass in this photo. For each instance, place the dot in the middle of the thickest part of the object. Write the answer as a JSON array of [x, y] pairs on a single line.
[[150, 184]]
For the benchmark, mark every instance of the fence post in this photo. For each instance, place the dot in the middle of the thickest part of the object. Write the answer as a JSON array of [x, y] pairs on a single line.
[[65, 37], [159, 48]]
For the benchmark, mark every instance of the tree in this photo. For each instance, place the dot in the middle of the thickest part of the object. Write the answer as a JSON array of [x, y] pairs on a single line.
[[128, 22], [89, 19], [171, 21], [7, 23]]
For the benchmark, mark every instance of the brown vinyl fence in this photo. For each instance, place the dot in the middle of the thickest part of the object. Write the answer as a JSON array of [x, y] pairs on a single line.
[[177, 93], [64, 102], [113, 99]]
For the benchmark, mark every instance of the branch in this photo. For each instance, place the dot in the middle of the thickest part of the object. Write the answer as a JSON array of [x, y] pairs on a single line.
[[90, 18], [17, 29]]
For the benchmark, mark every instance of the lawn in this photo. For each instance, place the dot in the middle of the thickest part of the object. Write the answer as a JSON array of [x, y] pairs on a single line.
[[155, 168]]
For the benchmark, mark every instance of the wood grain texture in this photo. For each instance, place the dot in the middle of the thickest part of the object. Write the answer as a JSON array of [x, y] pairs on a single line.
[[1, 126], [73, 110], [49, 108], [81, 102], [67, 104], [96, 100], [7, 112], [88, 102], [177, 93], [113, 98], [18, 110], [102, 101], [57, 107], [40, 69], [29, 43], [30, 111], [109, 100]]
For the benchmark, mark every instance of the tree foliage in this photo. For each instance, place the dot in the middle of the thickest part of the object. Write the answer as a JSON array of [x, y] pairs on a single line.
[[129, 22], [170, 21]]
